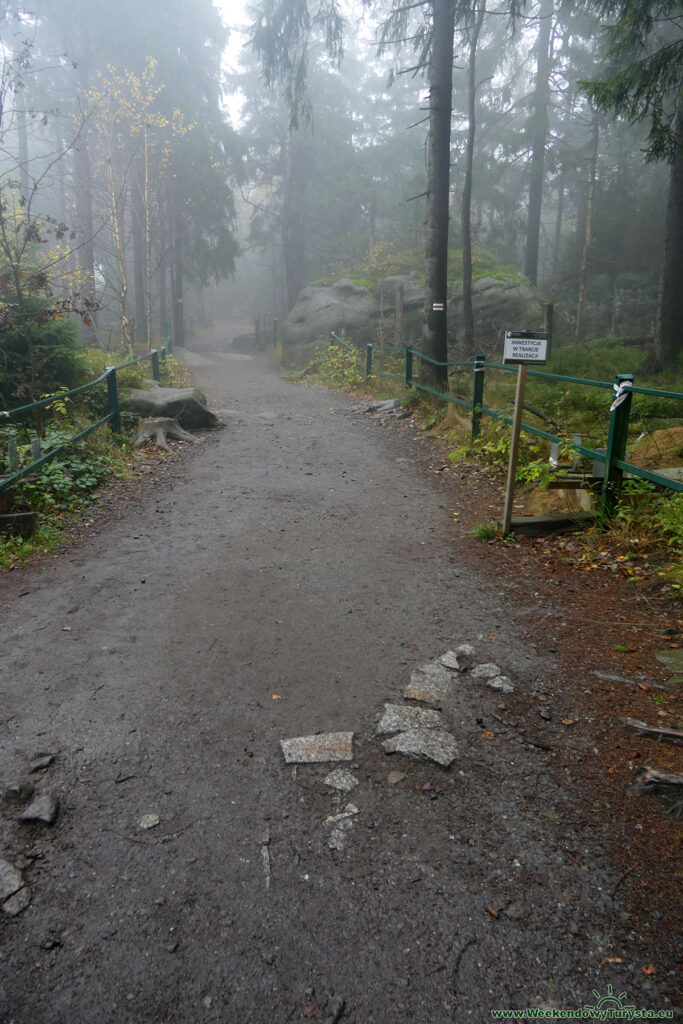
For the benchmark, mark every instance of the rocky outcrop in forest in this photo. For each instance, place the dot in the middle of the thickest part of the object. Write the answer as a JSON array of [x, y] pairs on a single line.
[[500, 303]]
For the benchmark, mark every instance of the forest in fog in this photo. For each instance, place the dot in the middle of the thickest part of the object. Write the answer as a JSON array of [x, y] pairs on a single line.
[[149, 182]]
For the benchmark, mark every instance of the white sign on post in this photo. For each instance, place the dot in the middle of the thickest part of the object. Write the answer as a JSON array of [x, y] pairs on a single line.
[[525, 347]]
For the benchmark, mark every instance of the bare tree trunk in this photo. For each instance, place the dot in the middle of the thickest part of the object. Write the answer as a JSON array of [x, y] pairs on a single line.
[[668, 333], [539, 130], [147, 199], [297, 174], [116, 207], [435, 327], [557, 243], [138, 239], [585, 256], [466, 215], [177, 284]]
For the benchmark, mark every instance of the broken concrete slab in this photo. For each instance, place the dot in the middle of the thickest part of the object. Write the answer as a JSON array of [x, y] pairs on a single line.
[[502, 683], [327, 746], [44, 808], [11, 880], [398, 718], [17, 903], [424, 744], [341, 779], [486, 671]]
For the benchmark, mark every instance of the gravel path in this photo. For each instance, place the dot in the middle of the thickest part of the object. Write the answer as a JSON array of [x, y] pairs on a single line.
[[286, 580]]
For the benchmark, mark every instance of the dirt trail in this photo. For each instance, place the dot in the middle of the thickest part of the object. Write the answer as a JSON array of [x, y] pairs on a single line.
[[288, 578]]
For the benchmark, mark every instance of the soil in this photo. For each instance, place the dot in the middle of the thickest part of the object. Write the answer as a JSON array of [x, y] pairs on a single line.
[[283, 578]]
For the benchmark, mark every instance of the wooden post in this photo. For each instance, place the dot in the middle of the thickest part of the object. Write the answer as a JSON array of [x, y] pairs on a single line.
[[514, 448]]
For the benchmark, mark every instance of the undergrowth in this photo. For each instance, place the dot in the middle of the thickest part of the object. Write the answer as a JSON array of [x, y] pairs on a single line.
[[66, 484]]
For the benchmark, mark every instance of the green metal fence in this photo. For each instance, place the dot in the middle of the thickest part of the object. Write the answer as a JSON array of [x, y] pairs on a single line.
[[613, 458], [157, 357]]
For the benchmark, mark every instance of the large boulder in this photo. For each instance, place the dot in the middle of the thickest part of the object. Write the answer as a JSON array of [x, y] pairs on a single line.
[[499, 304], [320, 309], [186, 405]]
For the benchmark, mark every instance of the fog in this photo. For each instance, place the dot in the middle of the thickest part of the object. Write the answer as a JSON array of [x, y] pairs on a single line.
[[159, 172]]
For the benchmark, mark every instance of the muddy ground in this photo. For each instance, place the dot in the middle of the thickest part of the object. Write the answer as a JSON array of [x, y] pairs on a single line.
[[284, 578]]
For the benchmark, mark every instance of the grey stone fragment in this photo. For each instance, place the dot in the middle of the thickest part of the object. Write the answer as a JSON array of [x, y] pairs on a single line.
[[459, 659], [330, 746], [17, 903], [10, 880], [148, 821], [349, 812], [342, 824], [341, 779], [19, 792], [502, 683], [394, 777], [432, 683], [673, 660], [398, 718], [44, 808], [424, 744], [39, 763], [517, 910], [486, 671]]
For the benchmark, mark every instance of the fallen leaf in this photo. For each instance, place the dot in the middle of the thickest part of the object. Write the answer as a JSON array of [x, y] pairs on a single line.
[[276, 696], [309, 1011], [649, 971], [644, 687], [66, 629], [494, 913], [567, 721], [487, 734], [612, 960]]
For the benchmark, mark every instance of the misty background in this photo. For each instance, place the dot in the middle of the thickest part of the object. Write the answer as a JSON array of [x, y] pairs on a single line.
[[152, 180]]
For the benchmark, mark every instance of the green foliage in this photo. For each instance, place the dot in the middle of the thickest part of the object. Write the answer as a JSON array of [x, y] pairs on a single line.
[[493, 447], [486, 531], [645, 515], [66, 480], [648, 52], [38, 355], [339, 366], [18, 550], [389, 259]]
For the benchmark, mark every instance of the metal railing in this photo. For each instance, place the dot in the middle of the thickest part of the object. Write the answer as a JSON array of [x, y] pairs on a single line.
[[613, 457], [113, 417]]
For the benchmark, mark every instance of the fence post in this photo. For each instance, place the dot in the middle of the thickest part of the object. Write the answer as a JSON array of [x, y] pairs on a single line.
[[257, 329], [114, 408], [409, 366], [368, 360], [12, 455], [155, 364], [275, 327], [35, 451], [616, 447], [477, 393]]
